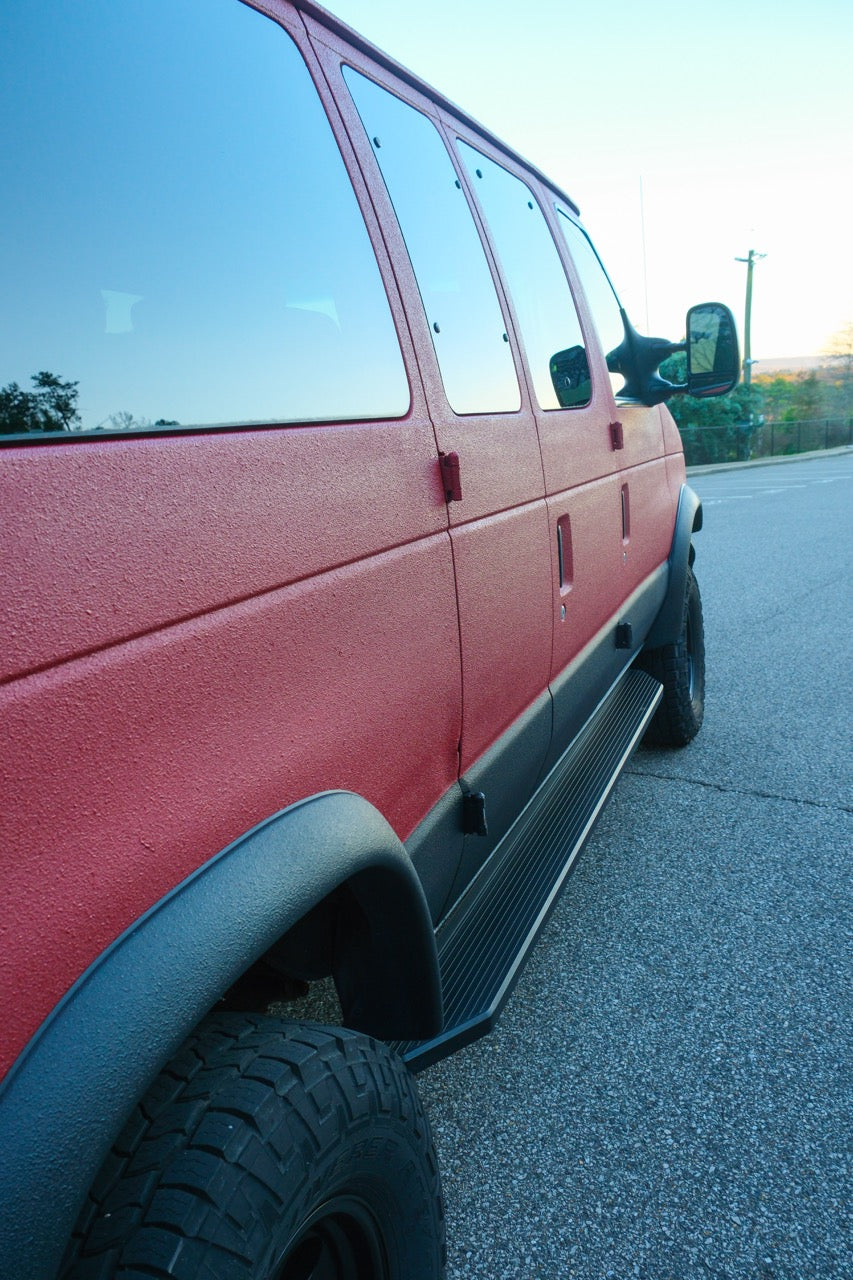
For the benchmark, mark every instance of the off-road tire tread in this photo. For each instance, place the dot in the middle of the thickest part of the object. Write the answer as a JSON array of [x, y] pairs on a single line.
[[201, 1161], [679, 716]]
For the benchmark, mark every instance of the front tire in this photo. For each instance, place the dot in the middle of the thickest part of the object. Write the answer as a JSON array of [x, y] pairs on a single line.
[[680, 668], [269, 1150]]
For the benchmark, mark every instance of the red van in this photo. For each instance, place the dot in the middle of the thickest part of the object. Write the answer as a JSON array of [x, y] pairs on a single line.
[[347, 555]]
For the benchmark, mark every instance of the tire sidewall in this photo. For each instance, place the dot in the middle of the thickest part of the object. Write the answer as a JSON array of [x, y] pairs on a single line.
[[375, 1162], [692, 641], [680, 668]]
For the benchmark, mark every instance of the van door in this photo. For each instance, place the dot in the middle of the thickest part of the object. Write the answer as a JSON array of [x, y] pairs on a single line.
[[485, 431], [574, 412], [641, 447]]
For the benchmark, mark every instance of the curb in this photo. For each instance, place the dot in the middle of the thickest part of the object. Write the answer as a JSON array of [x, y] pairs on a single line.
[[710, 467]]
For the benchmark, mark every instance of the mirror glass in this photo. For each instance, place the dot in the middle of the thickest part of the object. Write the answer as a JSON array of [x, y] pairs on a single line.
[[713, 360]]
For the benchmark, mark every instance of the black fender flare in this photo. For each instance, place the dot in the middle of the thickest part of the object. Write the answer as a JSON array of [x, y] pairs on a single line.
[[68, 1094], [666, 627]]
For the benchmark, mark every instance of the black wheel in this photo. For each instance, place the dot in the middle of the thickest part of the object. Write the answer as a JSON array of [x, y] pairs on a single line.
[[680, 667], [269, 1150]]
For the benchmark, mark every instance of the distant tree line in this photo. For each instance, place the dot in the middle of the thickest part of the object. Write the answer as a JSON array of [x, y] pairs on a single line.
[[734, 426], [52, 406]]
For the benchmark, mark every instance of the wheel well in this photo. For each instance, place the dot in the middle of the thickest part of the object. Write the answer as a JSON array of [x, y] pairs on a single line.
[[315, 948], [68, 1094]]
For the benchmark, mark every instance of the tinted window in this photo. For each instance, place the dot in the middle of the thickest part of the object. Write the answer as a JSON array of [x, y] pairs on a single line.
[[537, 282], [602, 300], [183, 242], [456, 286]]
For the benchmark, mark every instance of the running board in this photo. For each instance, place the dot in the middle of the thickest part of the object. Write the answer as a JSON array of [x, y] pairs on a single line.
[[485, 939]]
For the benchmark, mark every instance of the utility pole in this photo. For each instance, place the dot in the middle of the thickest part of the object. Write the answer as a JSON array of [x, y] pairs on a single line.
[[747, 348]]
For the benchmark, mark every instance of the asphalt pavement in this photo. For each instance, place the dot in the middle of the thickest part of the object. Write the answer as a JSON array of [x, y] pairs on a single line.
[[668, 1093]]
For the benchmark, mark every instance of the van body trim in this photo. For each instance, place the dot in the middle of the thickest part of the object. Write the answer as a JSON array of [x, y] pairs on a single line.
[[666, 627]]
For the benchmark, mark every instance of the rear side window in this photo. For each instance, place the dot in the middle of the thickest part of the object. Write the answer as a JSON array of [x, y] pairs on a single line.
[[183, 246], [456, 287], [536, 280]]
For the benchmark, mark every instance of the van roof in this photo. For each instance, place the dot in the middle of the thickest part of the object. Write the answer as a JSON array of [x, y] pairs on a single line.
[[352, 37]]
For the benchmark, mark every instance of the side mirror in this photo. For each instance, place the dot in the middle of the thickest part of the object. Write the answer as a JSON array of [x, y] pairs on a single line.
[[713, 359]]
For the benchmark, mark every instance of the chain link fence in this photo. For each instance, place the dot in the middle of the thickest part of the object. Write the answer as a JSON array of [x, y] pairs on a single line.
[[742, 441]]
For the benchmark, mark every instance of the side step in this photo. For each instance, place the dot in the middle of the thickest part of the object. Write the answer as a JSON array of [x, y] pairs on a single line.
[[485, 939]]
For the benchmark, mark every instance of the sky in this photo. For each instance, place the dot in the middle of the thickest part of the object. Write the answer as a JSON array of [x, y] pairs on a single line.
[[687, 135]]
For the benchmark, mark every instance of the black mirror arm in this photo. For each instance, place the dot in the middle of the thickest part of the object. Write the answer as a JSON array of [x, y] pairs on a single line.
[[638, 359]]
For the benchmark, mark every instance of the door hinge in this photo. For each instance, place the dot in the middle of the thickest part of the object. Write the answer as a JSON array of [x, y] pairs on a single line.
[[617, 435], [450, 478]]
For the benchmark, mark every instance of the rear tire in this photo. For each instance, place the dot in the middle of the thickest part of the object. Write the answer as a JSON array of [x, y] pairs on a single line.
[[269, 1150], [680, 667]]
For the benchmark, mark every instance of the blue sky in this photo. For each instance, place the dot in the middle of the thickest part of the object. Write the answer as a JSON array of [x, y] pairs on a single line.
[[700, 131]]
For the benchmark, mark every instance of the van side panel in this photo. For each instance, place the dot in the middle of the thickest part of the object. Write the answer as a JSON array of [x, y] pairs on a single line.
[[504, 596], [153, 531], [124, 771], [201, 629]]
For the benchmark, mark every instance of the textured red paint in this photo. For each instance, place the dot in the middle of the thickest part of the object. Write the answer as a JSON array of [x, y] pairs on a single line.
[[110, 539], [126, 770], [502, 573]]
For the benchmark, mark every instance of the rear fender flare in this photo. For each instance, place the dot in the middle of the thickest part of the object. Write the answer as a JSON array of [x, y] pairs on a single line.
[[67, 1096]]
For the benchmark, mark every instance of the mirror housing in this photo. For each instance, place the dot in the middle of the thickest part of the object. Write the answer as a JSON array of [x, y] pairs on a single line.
[[713, 358], [638, 359]]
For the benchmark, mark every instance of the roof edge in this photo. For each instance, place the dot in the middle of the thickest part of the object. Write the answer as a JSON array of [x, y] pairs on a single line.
[[340, 28]]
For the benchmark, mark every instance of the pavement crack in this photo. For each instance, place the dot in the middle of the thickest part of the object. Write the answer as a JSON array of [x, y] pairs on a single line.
[[754, 792]]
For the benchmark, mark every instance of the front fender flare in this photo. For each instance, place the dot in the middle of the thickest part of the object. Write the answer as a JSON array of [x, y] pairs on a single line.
[[68, 1094], [666, 627]]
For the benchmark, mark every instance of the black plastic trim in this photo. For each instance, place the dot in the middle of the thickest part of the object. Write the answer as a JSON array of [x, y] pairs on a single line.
[[435, 848], [579, 687], [66, 1097], [507, 775], [688, 520]]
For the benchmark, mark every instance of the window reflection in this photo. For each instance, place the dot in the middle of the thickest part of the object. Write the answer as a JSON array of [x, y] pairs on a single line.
[[455, 283], [532, 269], [183, 244]]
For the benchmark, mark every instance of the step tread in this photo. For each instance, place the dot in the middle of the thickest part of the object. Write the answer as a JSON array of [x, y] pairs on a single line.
[[483, 942]]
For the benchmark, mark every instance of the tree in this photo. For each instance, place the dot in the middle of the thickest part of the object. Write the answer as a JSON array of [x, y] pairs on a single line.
[[124, 421], [716, 429], [52, 406], [839, 348]]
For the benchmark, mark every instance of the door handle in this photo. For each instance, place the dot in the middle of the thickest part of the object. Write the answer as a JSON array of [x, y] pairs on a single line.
[[565, 556]]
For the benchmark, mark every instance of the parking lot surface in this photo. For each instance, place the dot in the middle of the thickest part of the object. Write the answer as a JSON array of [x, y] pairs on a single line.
[[667, 1095]]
